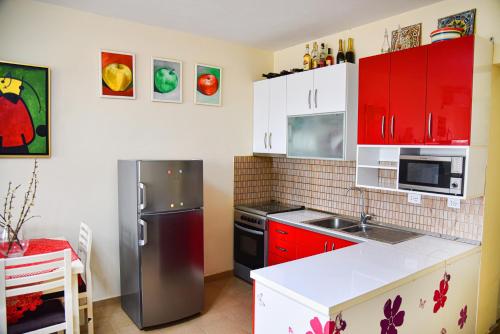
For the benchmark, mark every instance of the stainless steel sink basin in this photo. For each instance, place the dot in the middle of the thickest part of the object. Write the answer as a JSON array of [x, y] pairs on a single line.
[[335, 223], [379, 233]]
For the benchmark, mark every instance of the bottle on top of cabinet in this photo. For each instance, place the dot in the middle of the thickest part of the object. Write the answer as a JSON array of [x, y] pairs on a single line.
[[315, 55], [307, 59], [340, 54], [322, 56], [349, 55], [329, 58]]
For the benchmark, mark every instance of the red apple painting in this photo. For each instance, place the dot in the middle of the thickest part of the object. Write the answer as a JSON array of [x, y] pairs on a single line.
[[208, 85], [24, 110], [117, 75], [166, 80]]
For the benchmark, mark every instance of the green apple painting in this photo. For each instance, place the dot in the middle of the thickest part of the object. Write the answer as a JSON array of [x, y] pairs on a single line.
[[208, 85], [166, 80]]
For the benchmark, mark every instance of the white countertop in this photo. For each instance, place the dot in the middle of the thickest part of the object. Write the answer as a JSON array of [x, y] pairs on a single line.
[[333, 281]]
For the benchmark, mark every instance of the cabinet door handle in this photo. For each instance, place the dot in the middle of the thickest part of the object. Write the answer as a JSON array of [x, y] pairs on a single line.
[[333, 245], [383, 127], [326, 246], [281, 232], [270, 140], [265, 139], [309, 99], [429, 126], [281, 249], [392, 127], [316, 98]]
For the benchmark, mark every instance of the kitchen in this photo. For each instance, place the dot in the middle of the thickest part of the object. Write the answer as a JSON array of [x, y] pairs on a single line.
[[237, 173]]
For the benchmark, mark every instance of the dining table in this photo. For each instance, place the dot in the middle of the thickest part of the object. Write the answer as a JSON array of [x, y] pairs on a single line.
[[47, 245]]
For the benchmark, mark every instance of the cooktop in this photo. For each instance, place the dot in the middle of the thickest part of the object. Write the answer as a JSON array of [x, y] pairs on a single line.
[[268, 208]]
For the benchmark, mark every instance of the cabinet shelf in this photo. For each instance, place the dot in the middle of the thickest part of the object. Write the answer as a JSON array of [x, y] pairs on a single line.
[[379, 167]]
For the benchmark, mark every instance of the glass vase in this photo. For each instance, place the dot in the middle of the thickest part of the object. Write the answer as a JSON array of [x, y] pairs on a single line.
[[10, 246]]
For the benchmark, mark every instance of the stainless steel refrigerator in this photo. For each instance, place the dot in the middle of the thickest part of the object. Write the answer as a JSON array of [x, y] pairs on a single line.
[[161, 239]]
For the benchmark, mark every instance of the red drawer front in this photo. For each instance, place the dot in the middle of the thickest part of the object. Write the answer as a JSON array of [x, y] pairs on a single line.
[[282, 232], [275, 259], [309, 250], [283, 249], [314, 239]]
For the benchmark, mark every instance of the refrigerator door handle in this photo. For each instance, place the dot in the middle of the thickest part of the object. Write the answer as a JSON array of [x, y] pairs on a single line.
[[144, 228], [142, 196]]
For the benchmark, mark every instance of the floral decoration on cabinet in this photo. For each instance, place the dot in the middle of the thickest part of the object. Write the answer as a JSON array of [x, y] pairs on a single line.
[[463, 317], [317, 328], [440, 295], [394, 317]]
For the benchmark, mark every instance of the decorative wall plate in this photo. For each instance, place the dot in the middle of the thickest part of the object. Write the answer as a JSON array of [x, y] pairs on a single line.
[[465, 20], [411, 36]]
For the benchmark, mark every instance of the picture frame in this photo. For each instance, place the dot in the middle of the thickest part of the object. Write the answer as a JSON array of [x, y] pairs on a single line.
[[207, 85], [465, 20], [166, 80], [117, 76], [25, 94], [411, 36]]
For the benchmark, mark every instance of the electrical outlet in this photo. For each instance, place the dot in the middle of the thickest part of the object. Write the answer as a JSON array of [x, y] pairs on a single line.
[[414, 198], [454, 202]]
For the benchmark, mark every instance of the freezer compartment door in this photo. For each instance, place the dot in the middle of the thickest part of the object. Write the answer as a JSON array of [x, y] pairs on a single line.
[[172, 266], [170, 185]]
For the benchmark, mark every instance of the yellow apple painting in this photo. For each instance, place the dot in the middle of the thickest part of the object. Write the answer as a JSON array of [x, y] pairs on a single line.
[[117, 75]]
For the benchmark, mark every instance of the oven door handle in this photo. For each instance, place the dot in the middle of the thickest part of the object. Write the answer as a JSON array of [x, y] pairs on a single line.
[[248, 230]]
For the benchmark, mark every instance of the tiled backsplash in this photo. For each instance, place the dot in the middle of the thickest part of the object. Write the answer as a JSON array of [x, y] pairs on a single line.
[[321, 185]]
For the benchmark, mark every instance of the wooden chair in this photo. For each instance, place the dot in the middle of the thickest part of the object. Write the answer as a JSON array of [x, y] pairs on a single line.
[[85, 293], [38, 273]]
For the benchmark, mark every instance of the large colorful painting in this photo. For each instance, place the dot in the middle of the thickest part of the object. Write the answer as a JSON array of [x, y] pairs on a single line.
[[208, 85], [465, 20], [117, 75], [24, 110], [166, 80]]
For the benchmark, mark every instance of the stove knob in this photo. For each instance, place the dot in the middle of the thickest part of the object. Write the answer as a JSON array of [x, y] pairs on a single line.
[[454, 185]]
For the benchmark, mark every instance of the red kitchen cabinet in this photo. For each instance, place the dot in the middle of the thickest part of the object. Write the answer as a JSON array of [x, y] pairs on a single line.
[[273, 259], [449, 92], [408, 83], [337, 243], [373, 101]]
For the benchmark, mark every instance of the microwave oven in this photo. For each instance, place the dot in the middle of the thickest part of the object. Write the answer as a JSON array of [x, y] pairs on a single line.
[[434, 174]]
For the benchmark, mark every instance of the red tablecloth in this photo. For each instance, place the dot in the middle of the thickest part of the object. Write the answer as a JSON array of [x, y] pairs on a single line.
[[17, 306]]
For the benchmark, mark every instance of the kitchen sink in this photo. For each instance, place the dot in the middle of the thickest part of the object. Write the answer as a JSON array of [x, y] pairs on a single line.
[[379, 233], [335, 223]]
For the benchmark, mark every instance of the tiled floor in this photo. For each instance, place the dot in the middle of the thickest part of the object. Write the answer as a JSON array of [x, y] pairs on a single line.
[[228, 310]]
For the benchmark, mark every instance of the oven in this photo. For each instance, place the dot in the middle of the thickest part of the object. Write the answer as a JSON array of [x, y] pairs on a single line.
[[250, 243], [435, 174]]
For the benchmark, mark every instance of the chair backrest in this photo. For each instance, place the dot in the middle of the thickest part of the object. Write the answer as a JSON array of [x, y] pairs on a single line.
[[37, 273], [84, 249]]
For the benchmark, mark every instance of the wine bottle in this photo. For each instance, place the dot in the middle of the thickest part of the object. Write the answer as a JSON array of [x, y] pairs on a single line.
[[315, 56], [322, 56], [307, 59], [385, 46], [349, 55], [329, 58], [340, 54]]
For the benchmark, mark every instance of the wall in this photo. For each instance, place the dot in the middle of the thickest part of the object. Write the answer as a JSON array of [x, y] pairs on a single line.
[[78, 183], [489, 288], [321, 185], [368, 38]]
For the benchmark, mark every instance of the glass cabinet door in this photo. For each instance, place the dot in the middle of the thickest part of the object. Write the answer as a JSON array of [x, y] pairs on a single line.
[[316, 136]]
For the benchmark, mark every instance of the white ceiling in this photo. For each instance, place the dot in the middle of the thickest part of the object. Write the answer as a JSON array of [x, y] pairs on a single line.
[[266, 24]]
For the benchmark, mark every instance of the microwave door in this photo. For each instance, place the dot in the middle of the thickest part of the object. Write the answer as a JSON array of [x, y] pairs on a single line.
[[425, 175]]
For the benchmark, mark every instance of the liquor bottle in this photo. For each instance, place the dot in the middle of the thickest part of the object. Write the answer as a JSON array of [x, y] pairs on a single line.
[[349, 55], [340, 54], [322, 56], [329, 58], [307, 59], [385, 46], [315, 56]]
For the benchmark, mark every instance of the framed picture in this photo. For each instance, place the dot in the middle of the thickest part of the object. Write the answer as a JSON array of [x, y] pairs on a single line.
[[465, 20], [208, 85], [117, 74], [166, 80], [24, 110], [411, 37]]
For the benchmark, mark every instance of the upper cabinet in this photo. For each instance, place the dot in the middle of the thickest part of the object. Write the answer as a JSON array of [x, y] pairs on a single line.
[[417, 96], [449, 92], [269, 116], [322, 90]]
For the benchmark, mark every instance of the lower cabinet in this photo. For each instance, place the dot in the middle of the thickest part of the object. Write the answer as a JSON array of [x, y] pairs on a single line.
[[288, 243]]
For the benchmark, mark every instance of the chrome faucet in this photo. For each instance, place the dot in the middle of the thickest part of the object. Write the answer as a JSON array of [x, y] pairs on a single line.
[[364, 217]]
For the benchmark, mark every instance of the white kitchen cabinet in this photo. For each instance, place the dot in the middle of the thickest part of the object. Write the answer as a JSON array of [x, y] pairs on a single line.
[[269, 116], [323, 90]]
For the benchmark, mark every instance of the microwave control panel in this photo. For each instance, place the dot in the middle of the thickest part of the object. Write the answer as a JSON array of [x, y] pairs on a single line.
[[457, 165]]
